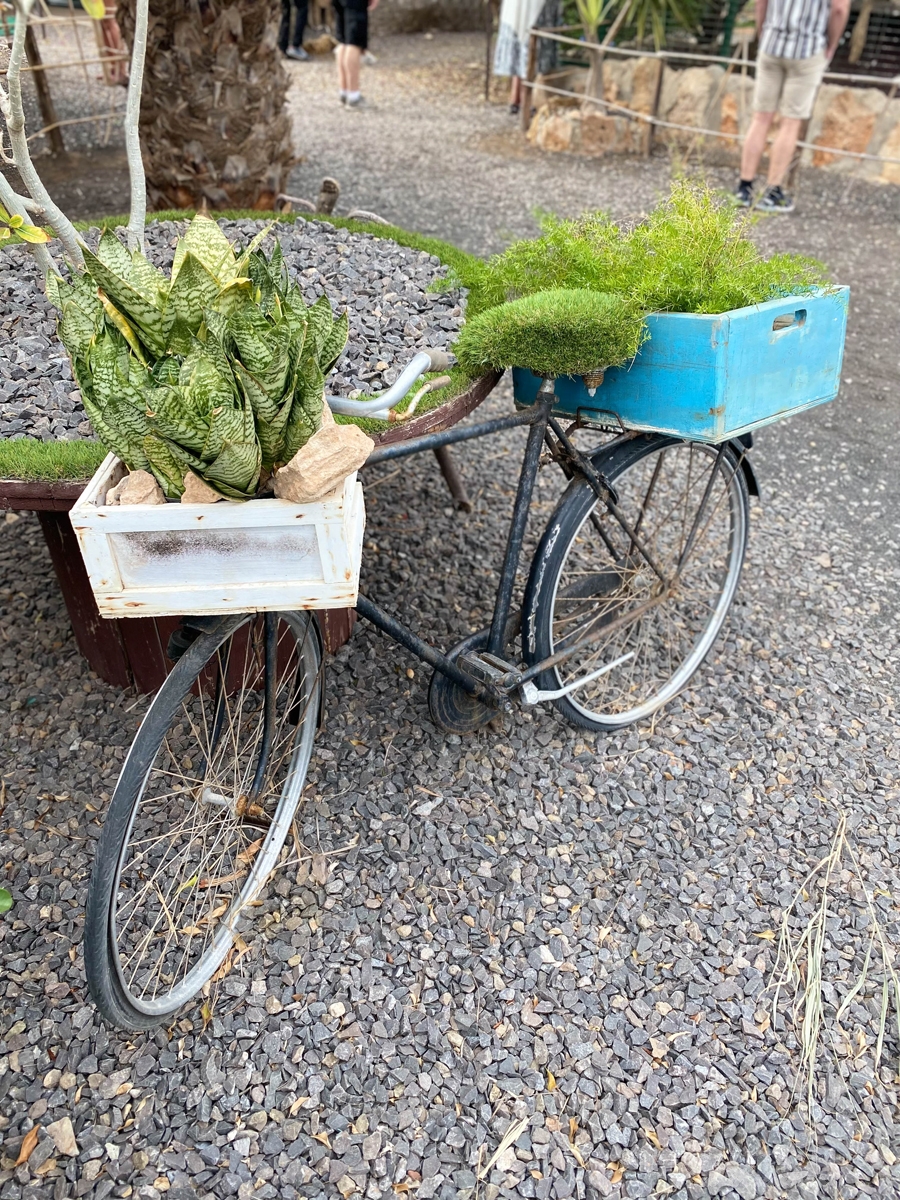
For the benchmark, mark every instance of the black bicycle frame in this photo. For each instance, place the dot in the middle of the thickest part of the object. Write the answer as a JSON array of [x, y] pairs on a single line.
[[536, 418]]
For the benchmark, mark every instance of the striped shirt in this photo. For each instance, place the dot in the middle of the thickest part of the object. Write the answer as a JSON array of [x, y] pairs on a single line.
[[795, 28]]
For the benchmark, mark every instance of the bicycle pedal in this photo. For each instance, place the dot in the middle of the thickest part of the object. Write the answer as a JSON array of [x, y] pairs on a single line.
[[488, 668]]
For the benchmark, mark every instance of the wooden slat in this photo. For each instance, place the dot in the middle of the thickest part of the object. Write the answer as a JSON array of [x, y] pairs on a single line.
[[98, 640], [38, 495]]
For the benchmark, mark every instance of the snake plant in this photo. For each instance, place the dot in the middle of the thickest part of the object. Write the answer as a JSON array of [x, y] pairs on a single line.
[[219, 369]]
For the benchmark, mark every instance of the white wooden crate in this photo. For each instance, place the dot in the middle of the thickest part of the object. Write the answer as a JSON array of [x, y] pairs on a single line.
[[150, 560]]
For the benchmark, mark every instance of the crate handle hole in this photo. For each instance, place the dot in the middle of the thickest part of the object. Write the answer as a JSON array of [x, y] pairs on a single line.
[[788, 320]]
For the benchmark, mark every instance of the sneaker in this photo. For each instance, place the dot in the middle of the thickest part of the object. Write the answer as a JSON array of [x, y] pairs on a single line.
[[369, 59], [297, 53], [743, 194], [359, 102], [775, 200]]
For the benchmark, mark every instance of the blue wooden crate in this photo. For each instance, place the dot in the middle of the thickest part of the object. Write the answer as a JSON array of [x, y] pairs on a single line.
[[709, 378]]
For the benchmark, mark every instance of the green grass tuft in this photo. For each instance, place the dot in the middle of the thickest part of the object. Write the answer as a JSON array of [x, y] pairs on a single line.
[[693, 254], [556, 332], [29, 459]]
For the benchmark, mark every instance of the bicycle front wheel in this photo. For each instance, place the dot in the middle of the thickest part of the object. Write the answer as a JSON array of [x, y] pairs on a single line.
[[200, 814], [639, 611]]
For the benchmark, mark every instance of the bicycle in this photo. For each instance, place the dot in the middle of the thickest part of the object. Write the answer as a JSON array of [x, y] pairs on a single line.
[[629, 587]]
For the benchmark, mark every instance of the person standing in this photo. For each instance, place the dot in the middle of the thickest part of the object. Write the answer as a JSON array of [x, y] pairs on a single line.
[[351, 28], [292, 47], [797, 40], [517, 19]]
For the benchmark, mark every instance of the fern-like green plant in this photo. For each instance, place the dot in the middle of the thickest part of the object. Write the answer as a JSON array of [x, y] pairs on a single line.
[[218, 369]]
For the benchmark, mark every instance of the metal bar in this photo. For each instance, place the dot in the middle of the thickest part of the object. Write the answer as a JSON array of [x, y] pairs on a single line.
[[453, 478], [614, 626], [392, 627], [601, 491], [527, 476], [448, 437], [271, 687], [689, 56]]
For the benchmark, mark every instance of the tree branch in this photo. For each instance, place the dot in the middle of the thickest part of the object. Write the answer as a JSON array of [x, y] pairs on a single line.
[[138, 214], [14, 114], [20, 207]]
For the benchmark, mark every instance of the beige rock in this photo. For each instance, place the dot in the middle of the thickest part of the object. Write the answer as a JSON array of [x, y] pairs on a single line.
[[63, 1136], [552, 131], [849, 123], [198, 491], [324, 462], [138, 487]]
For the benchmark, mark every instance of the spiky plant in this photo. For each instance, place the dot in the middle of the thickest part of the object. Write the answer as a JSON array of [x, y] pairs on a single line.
[[218, 369]]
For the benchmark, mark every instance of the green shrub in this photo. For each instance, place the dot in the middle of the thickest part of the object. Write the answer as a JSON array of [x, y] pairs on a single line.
[[692, 254], [555, 332]]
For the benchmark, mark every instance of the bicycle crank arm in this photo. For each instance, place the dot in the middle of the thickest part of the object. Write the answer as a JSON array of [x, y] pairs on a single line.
[[531, 694]]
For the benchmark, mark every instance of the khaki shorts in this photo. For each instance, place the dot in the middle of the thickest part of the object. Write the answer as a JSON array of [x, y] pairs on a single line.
[[788, 85]]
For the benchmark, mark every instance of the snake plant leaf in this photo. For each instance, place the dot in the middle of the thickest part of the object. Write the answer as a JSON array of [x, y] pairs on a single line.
[[271, 435], [306, 410], [237, 467], [165, 370], [206, 242], [226, 425], [250, 331], [113, 255], [264, 405], [121, 323], [320, 320], [194, 290], [161, 460], [334, 343], [170, 417], [145, 315], [77, 329]]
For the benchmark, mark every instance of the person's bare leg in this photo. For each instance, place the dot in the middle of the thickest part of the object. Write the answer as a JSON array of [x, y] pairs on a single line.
[[352, 57], [342, 69], [755, 144], [783, 150], [515, 90]]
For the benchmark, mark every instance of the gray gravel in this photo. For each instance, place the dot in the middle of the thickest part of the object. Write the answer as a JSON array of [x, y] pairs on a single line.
[[384, 286], [533, 926]]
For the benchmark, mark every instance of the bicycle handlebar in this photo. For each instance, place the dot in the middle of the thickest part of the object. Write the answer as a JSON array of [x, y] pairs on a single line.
[[380, 406]]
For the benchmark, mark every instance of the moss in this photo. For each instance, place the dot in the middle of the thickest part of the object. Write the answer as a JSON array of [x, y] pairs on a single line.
[[28, 459], [557, 332]]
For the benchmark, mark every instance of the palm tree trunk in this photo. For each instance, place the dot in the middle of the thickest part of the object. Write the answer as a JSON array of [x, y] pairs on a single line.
[[214, 130]]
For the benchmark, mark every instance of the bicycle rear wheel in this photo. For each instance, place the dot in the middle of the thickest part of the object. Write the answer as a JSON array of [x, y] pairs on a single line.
[[590, 585], [200, 814]]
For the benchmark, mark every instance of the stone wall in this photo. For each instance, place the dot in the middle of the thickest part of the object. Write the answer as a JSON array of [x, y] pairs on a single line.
[[859, 119], [416, 16]]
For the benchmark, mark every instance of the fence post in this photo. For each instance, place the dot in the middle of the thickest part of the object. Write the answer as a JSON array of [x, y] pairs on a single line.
[[528, 84], [654, 112]]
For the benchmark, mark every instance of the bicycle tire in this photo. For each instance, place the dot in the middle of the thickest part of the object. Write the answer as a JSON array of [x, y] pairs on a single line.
[[568, 566], [223, 673]]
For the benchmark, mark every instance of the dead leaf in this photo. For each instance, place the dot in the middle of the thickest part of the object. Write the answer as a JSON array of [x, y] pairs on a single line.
[[323, 1138], [573, 1129], [515, 1131], [767, 935], [551, 1081], [650, 1135], [298, 1104], [28, 1144], [617, 1174], [319, 869]]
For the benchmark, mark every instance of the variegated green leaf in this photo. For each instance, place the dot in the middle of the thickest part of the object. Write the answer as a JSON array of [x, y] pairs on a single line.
[[192, 292], [306, 411], [165, 466], [238, 466], [271, 435], [145, 316], [170, 417], [113, 255], [226, 424], [209, 245], [335, 341]]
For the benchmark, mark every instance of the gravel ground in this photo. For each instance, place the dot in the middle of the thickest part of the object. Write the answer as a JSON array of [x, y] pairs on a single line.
[[383, 285], [563, 939]]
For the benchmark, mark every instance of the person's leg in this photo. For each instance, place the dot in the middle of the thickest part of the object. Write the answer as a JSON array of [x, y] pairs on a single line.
[[352, 58], [284, 32], [515, 93], [755, 144], [783, 150], [301, 17]]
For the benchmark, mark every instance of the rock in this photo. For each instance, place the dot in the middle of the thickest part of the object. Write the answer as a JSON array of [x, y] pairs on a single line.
[[317, 468], [63, 1136], [741, 1179], [138, 487], [848, 123], [198, 491]]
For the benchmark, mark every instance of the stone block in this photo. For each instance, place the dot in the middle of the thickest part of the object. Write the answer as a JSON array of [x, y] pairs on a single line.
[[848, 124]]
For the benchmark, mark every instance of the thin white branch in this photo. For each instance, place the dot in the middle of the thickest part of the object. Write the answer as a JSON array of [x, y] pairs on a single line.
[[14, 114], [19, 206], [138, 214]]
